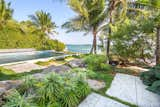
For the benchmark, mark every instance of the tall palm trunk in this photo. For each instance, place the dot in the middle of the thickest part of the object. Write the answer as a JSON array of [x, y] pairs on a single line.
[[158, 46], [94, 44], [108, 39], [111, 8]]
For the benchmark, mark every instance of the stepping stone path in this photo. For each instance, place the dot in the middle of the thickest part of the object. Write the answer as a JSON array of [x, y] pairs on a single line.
[[96, 100], [131, 89]]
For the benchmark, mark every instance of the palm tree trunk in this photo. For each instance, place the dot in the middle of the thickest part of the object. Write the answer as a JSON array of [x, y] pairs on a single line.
[[91, 51], [111, 8], [95, 42], [158, 46], [108, 39]]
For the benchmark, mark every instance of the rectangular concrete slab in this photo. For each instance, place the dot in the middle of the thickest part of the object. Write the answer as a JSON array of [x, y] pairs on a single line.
[[96, 100], [131, 89]]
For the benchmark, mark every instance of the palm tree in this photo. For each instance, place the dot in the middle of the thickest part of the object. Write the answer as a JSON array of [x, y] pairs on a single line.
[[91, 17], [5, 12], [43, 21]]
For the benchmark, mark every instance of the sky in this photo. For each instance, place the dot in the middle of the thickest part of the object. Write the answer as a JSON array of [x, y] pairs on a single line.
[[60, 13]]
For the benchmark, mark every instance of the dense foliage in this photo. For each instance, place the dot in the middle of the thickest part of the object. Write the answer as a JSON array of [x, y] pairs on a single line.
[[11, 37], [133, 40], [27, 34], [152, 79], [54, 90], [97, 62]]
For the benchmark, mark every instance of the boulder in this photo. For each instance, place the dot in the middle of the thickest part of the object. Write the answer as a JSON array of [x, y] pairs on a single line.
[[76, 63], [95, 84], [57, 69]]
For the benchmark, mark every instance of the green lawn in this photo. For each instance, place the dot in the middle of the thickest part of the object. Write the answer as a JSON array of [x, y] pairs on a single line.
[[6, 74]]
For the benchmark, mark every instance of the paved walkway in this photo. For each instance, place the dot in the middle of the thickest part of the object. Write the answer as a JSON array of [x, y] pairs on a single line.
[[131, 89], [96, 100], [23, 67]]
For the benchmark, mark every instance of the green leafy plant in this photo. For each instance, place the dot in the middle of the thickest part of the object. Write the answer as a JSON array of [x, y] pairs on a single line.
[[96, 62], [152, 79]]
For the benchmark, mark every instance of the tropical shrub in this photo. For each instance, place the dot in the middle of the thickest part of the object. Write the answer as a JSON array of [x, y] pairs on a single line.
[[96, 62], [54, 90], [152, 79]]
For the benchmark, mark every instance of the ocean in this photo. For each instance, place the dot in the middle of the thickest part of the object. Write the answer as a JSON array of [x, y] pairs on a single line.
[[79, 48]]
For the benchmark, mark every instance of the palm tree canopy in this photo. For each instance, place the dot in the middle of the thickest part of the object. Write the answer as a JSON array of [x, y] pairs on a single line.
[[43, 21], [90, 15]]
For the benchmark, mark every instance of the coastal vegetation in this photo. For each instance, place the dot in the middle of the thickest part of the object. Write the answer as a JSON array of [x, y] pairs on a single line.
[[129, 32], [27, 34]]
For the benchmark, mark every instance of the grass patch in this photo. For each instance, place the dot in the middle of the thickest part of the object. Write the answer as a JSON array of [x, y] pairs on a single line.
[[51, 62], [106, 77], [44, 63], [6, 74], [69, 58], [121, 101]]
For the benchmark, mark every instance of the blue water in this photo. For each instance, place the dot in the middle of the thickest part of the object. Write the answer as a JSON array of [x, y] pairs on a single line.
[[79, 48], [23, 56]]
